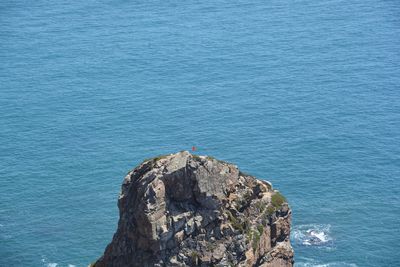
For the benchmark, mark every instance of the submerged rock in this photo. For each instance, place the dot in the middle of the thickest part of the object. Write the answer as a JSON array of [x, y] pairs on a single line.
[[188, 210]]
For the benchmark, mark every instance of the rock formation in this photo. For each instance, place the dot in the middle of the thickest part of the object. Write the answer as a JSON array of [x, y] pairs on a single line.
[[189, 210]]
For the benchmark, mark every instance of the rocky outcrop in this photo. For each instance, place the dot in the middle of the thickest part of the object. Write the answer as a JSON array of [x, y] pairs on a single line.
[[188, 210]]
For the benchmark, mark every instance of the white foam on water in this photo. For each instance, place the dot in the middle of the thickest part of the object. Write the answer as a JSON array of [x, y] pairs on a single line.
[[53, 264], [48, 264], [312, 234], [315, 263], [330, 264]]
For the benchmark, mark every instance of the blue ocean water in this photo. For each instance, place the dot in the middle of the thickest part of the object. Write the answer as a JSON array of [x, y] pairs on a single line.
[[305, 94]]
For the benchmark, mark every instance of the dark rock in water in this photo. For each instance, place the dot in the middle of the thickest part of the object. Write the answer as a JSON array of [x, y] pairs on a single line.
[[188, 210]]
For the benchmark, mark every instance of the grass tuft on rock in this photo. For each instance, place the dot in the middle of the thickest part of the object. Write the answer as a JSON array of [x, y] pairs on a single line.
[[270, 210], [256, 237], [277, 200], [237, 224], [210, 158], [196, 157], [195, 257], [260, 205], [155, 159], [260, 229]]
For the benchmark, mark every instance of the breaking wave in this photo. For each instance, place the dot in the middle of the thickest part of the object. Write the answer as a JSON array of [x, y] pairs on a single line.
[[53, 264], [312, 234]]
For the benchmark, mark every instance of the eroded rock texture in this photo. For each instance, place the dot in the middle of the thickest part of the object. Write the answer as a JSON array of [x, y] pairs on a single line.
[[187, 210]]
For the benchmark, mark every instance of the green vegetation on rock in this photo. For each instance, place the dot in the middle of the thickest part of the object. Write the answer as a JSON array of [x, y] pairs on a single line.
[[155, 158], [236, 224], [256, 240], [196, 157], [261, 206], [277, 200], [260, 228], [195, 257], [270, 210]]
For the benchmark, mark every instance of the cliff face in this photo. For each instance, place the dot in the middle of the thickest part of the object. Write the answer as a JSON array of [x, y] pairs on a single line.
[[187, 210]]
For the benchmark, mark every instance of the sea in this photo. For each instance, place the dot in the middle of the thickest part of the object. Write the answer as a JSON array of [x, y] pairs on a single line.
[[302, 93]]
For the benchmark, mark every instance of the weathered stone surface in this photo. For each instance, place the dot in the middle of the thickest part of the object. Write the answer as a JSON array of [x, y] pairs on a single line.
[[187, 210]]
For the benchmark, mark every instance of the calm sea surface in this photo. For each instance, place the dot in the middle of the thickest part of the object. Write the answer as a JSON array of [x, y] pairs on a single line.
[[305, 94]]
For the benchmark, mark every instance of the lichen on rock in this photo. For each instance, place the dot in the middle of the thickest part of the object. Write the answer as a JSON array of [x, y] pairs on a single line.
[[189, 210]]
